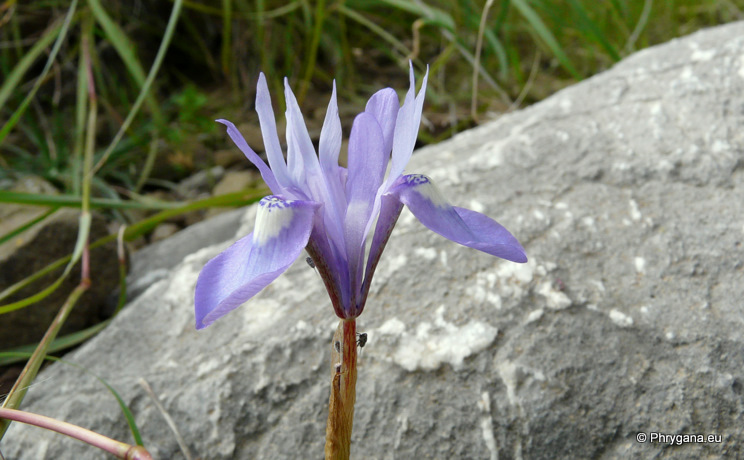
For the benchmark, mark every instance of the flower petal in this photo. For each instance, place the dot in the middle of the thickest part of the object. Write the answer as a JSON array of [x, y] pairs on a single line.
[[268, 131], [242, 270], [384, 106], [366, 172], [330, 136], [406, 128], [463, 226], [239, 140], [389, 211], [329, 148], [301, 158]]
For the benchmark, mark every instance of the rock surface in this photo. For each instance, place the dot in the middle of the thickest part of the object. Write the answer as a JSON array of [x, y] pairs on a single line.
[[626, 190]]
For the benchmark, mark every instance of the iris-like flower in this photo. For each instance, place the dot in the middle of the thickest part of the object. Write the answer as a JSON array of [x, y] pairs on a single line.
[[331, 211]]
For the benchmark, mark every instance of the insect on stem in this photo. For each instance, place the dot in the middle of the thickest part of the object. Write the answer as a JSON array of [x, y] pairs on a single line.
[[361, 339]]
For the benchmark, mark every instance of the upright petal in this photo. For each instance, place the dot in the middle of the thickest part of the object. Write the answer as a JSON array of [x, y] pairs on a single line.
[[330, 135], [406, 128], [301, 158], [366, 171], [268, 131], [239, 140], [463, 226], [384, 106], [328, 150], [282, 231]]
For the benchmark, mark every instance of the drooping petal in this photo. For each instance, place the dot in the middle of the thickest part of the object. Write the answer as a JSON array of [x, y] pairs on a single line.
[[406, 128], [384, 106], [282, 231], [366, 171], [266, 173], [268, 131], [463, 226]]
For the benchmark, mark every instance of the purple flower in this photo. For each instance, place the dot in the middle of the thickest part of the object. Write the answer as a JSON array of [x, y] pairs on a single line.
[[331, 210]]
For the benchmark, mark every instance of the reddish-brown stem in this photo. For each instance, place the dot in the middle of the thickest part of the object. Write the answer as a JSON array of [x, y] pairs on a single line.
[[343, 391]]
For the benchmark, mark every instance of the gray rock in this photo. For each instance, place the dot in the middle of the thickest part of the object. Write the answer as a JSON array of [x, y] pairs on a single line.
[[154, 262], [626, 191]]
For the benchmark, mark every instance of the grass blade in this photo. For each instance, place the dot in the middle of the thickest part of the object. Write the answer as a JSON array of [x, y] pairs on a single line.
[[69, 201], [546, 35], [11, 234], [27, 100], [125, 48], [592, 29], [167, 36]]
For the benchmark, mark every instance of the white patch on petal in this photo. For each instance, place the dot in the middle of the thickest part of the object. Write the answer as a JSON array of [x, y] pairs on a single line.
[[428, 190], [273, 215]]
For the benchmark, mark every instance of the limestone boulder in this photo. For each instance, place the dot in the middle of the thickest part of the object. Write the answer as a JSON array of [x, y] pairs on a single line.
[[626, 191]]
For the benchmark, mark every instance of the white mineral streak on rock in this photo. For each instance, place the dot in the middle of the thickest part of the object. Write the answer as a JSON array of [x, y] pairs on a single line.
[[554, 299], [620, 318], [483, 289], [640, 264], [426, 253], [438, 343], [477, 206], [484, 404], [635, 213], [534, 315]]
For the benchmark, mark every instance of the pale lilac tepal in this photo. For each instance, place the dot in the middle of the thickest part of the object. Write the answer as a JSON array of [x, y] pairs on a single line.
[[331, 210]]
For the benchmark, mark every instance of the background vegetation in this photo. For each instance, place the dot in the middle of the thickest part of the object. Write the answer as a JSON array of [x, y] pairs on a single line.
[[523, 50]]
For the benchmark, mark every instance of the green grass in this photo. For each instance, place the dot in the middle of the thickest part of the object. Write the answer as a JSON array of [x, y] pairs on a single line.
[[218, 48]]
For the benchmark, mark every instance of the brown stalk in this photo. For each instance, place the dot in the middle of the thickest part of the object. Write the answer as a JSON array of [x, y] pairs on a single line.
[[343, 391]]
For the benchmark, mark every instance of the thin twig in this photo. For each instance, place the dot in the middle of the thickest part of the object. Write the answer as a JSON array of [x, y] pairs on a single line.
[[168, 419], [528, 84], [476, 63], [640, 25]]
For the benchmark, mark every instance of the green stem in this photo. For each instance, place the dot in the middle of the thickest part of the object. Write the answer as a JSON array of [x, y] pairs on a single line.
[[117, 448], [16, 394]]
